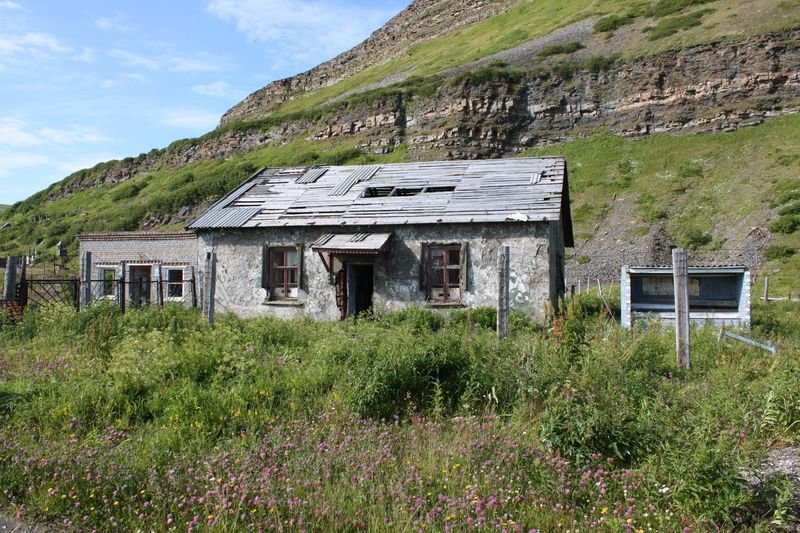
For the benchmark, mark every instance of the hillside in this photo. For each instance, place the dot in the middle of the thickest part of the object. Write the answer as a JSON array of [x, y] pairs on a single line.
[[617, 86]]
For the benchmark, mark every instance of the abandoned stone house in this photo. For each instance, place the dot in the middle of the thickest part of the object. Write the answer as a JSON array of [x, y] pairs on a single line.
[[331, 242]]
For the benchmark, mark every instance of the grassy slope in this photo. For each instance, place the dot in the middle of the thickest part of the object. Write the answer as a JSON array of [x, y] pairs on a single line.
[[697, 182], [531, 20]]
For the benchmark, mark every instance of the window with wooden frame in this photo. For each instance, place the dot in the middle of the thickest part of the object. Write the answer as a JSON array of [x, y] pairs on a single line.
[[444, 272], [282, 271], [175, 283]]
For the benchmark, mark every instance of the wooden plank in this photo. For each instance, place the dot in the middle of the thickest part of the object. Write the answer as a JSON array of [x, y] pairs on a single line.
[[680, 278]]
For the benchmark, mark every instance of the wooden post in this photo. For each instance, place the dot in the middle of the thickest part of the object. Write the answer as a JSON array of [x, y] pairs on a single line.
[[766, 288], [680, 276], [160, 285], [503, 286], [10, 287], [579, 285], [211, 284], [121, 292], [86, 280]]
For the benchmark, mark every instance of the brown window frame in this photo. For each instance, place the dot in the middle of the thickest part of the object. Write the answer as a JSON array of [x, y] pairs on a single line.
[[272, 282], [446, 287]]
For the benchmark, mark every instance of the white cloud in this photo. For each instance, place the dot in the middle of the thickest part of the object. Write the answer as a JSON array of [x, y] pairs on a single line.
[[7, 4], [115, 23], [166, 62], [305, 30], [16, 134], [219, 89], [32, 43], [194, 119]]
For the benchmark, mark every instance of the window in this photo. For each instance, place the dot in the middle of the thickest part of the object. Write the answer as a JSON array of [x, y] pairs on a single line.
[[175, 283], [445, 268], [107, 275], [281, 276]]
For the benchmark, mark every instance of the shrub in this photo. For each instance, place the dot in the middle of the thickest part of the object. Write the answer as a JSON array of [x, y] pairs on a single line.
[[597, 63], [556, 49], [612, 23], [785, 224], [662, 8], [565, 70], [791, 209], [673, 25], [778, 251]]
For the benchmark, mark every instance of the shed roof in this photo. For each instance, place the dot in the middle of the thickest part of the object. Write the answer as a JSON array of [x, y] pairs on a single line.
[[692, 269], [496, 190]]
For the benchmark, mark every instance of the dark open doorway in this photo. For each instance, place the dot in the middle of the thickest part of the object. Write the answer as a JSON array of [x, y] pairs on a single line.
[[140, 285], [360, 287]]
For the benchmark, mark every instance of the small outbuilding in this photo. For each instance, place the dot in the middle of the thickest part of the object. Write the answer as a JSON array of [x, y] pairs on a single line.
[[138, 267], [335, 241], [717, 294]]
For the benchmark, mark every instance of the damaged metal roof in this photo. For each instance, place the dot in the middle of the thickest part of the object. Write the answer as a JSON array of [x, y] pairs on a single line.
[[495, 190]]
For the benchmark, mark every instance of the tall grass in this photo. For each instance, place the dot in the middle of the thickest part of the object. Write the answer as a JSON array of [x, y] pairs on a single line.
[[154, 420]]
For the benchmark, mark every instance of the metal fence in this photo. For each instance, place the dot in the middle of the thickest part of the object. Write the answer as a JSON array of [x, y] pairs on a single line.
[[126, 293]]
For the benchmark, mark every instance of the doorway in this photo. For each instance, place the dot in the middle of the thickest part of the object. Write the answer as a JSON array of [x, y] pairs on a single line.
[[140, 285], [360, 286]]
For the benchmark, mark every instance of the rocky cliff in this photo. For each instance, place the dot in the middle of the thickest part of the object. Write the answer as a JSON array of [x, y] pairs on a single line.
[[503, 109], [422, 20]]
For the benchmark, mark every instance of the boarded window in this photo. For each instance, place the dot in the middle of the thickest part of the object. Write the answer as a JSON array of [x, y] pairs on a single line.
[[175, 283], [283, 267], [445, 272]]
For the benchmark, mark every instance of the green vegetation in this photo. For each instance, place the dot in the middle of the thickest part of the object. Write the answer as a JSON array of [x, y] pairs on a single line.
[[612, 23], [597, 63], [673, 25], [557, 49], [696, 186], [154, 420], [493, 72], [662, 8]]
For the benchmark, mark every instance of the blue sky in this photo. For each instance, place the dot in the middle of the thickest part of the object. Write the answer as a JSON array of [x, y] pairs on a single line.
[[87, 81]]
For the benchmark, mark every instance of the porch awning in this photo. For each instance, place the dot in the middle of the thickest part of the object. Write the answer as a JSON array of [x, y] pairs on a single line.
[[352, 243]]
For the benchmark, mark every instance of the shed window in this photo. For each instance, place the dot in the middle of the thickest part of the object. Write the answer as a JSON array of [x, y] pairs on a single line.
[[283, 267], [107, 275], [175, 283], [446, 275]]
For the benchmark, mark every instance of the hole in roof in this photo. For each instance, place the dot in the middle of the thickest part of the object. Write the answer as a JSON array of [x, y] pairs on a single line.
[[441, 188], [377, 192], [407, 192]]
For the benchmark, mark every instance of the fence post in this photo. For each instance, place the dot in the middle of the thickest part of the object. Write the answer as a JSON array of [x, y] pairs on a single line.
[[86, 280], [680, 276], [211, 282], [766, 288], [193, 285], [10, 287], [121, 292], [160, 285], [503, 283]]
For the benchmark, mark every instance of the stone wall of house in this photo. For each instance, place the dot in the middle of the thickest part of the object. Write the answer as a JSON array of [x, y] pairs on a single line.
[[396, 274]]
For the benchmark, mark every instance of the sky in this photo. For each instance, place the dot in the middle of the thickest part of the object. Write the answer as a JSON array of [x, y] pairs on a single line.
[[85, 81]]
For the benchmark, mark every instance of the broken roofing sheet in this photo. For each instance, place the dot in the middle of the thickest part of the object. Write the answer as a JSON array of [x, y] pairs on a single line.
[[497, 190]]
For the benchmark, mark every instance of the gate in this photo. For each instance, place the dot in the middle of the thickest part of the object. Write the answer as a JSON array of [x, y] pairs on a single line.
[[38, 292]]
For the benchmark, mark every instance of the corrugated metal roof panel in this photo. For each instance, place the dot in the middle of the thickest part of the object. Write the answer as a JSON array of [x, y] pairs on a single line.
[[226, 217], [311, 175], [355, 243]]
